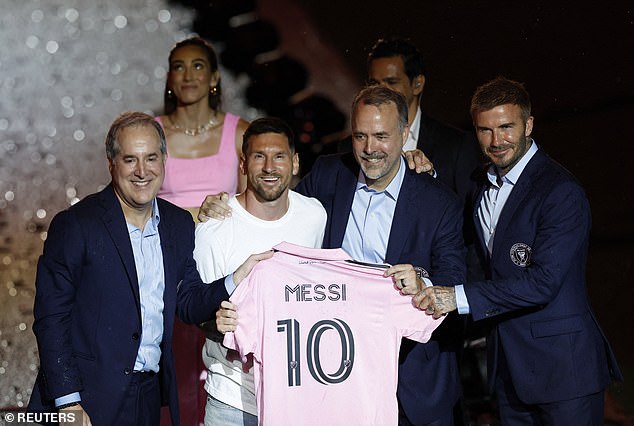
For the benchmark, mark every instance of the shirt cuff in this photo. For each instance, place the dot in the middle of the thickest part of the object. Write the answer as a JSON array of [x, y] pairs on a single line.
[[230, 285], [461, 300], [67, 399]]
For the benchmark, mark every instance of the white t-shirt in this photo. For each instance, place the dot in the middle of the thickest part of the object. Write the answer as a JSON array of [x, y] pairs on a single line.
[[325, 335], [221, 247]]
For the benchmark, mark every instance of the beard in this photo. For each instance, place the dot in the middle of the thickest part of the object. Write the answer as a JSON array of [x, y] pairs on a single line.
[[269, 193], [376, 170], [507, 162]]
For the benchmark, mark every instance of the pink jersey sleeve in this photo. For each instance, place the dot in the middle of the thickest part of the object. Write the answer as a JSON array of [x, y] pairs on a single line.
[[410, 321], [244, 339]]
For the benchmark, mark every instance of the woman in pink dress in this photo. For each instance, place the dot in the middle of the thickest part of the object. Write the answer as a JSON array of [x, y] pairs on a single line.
[[204, 145]]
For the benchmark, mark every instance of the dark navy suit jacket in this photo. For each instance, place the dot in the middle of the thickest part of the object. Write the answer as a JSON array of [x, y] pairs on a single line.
[[535, 295], [87, 309], [454, 153], [427, 232]]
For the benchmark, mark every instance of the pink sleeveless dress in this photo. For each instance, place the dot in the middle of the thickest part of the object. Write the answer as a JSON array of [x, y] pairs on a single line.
[[189, 180]]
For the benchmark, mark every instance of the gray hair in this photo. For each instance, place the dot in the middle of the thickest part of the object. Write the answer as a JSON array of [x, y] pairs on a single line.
[[381, 95], [131, 119]]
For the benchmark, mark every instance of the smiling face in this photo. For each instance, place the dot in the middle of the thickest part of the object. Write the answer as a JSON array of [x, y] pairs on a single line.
[[377, 142], [503, 135], [269, 164], [137, 169], [190, 75]]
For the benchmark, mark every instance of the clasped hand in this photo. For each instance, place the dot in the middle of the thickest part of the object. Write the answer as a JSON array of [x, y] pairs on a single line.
[[436, 300]]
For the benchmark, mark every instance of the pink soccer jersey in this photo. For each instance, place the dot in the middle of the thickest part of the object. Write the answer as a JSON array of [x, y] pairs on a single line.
[[325, 334]]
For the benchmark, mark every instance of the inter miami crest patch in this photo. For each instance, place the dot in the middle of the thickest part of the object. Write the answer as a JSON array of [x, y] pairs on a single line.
[[521, 254]]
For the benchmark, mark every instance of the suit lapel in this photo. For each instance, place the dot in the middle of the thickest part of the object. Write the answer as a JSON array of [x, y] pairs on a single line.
[[169, 273], [518, 194], [345, 184], [115, 224], [401, 222], [167, 245]]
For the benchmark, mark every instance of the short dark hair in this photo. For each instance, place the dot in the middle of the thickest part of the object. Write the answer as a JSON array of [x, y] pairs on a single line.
[[215, 98], [131, 119], [381, 95], [389, 47], [501, 91], [268, 125]]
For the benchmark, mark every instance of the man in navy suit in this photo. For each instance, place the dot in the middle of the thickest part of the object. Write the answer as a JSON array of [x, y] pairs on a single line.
[[548, 360], [396, 63], [381, 211], [116, 267]]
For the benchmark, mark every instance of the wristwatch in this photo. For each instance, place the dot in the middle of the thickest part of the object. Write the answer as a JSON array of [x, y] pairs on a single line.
[[421, 272]]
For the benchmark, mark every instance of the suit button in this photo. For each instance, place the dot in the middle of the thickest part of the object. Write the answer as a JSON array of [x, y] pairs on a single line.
[[135, 336], [127, 371]]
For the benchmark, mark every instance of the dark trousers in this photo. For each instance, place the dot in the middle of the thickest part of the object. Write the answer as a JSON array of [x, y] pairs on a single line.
[[586, 410], [142, 405], [447, 420]]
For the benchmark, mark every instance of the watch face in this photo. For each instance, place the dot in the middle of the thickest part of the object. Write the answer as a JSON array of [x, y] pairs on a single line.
[[421, 272]]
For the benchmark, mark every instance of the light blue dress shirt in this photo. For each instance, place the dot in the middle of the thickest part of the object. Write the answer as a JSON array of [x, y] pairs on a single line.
[[370, 220], [491, 205], [148, 259]]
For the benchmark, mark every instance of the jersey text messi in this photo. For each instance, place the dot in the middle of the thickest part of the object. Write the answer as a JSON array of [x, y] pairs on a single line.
[[315, 293]]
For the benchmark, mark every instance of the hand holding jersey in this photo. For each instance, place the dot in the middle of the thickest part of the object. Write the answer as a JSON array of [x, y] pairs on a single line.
[[226, 317], [244, 269], [406, 279], [322, 327], [436, 301]]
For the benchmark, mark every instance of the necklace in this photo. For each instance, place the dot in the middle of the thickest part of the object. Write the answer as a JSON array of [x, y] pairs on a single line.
[[196, 130]]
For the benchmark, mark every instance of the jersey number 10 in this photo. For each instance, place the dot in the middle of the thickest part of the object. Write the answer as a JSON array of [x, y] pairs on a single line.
[[313, 359]]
